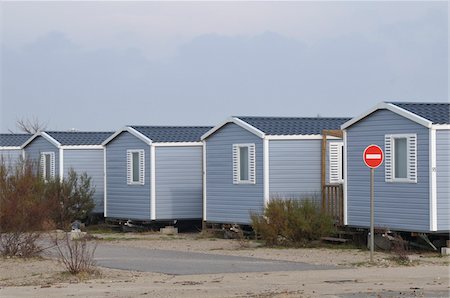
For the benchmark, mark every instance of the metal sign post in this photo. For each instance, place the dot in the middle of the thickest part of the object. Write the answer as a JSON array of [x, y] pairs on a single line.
[[373, 158]]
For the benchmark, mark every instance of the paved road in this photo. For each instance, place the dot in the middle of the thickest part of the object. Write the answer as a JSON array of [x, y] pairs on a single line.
[[185, 263]]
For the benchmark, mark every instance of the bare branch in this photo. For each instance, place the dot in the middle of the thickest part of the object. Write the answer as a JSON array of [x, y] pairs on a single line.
[[30, 126]]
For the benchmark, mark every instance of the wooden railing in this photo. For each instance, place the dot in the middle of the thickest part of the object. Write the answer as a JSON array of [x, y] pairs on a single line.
[[333, 202]]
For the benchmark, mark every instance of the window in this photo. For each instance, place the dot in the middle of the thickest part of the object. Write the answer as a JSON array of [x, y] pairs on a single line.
[[400, 158], [244, 164], [47, 165], [135, 167], [336, 162]]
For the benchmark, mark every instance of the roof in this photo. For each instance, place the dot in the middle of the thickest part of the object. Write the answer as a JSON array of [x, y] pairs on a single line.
[[282, 126], [423, 113], [78, 138], [437, 113], [13, 140], [165, 134]]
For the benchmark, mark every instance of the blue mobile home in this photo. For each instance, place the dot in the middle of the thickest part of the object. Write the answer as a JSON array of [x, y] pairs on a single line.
[[58, 152], [10, 148], [412, 186], [249, 160], [154, 173]]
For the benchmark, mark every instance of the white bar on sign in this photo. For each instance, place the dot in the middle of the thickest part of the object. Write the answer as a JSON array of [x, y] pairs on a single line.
[[373, 156]]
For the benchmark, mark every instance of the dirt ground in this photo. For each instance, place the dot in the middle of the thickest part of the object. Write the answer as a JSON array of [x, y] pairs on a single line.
[[427, 275]]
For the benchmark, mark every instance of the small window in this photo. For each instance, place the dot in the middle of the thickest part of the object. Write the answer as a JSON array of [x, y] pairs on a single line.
[[47, 164], [400, 158], [336, 162], [244, 164], [135, 167]]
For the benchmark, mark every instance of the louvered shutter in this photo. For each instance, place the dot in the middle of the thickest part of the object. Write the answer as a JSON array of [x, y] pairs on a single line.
[[42, 165], [235, 164], [129, 167], [335, 162], [412, 158], [388, 171], [52, 164], [141, 167], [252, 163]]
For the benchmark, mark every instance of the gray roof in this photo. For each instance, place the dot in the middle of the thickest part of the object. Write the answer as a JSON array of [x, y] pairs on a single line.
[[166, 134], [294, 125], [438, 113], [13, 140], [76, 138]]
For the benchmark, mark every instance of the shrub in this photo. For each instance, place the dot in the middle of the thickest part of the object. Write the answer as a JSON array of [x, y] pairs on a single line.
[[77, 255], [291, 222]]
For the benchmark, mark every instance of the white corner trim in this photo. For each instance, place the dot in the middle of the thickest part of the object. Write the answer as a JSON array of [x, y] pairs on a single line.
[[298, 137], [393, 108], [238, 122], [45, 136], [61, 164], [266, 172], [76, 147], [177, 144], [105, 199], [152, 183], [433, 183], [345, 178], [131, 130], [204, 180], [440, 126]]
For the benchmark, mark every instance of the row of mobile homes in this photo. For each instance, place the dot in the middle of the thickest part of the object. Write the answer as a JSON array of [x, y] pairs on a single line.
[[412, 186], [10, 148], [249, 160], [154, 173], [58, 152]]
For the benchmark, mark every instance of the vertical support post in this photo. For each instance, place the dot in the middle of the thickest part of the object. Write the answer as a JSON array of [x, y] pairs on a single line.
[[323, 167], [372, 236]]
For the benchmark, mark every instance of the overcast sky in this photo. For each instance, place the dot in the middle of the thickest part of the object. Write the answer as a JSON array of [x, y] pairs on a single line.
[[102, 65]]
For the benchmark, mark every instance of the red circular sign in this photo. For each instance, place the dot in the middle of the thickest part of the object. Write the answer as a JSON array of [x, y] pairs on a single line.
[[373, 156]]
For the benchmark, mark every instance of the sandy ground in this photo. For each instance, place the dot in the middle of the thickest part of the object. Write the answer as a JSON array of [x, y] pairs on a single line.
[[428, 276]]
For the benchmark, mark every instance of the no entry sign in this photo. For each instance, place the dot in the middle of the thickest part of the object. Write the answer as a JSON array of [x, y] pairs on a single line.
[[373, 156]]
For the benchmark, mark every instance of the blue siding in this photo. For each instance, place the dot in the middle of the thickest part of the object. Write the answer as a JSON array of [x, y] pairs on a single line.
[[40, 144], [179, 182], [126, 201], [89, 161], [11, 157], [228, 202], [398, 206], [295, 168], [443, 179]]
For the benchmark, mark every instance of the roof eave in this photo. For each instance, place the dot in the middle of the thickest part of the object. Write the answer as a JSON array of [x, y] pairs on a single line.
[[236, 121], [131, 130], [45, 136]]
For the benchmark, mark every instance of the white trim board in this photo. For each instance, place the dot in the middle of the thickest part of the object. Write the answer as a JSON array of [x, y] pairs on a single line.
[[345, 178], [440, 126], [80, 147], [45, 136], [177, 144], [298, 137], [204, 180], [266, 171], [61, 164], [105, 198], [10, 148], [393, 108], [130, 130], [152, 183], [238, 122], [433, 181]]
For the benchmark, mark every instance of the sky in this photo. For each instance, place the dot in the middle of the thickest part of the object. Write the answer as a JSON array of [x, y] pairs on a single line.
[[103, 65]]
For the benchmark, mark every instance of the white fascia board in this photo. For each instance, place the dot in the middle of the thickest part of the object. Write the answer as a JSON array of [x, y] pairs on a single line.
[[131, 130], [204, 180], [299, 137], [433, 183], [238, 122], [440, 126], [152, 183], [45, 136], [266, 172], [61, 164], [104, 184], [393, 108], [345, 179], [10, 147], [75, 147], [177, 144]]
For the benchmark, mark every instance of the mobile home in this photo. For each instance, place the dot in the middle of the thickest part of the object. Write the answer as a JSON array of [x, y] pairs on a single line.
[[10, 148]]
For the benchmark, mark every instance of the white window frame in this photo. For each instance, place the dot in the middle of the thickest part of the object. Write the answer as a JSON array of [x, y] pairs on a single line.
[[237, 164], [340, 159], [409, 162], [130, 169], [44, 165]]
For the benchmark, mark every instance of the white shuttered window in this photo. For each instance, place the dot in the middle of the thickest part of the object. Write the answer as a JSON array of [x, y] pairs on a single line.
[[244, 164], [336, 162], [400, 152], [47, 165], [136, 167]]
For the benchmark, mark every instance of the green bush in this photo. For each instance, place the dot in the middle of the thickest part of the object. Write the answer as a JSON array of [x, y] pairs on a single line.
[[292, 222]]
